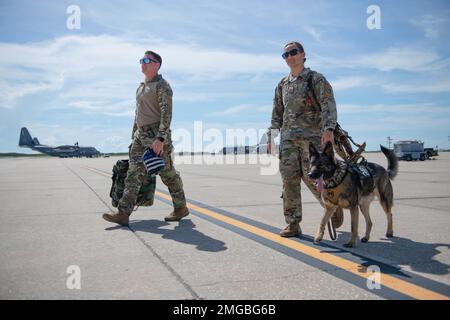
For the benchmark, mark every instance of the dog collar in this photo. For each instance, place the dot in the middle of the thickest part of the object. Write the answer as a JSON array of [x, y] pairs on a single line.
[[337, 177]]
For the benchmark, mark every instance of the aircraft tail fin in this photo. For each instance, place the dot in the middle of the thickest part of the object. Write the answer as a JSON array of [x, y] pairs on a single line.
[[25, 139]]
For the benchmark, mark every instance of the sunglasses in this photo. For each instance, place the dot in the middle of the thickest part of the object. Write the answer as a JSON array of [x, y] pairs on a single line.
[[147, 61], [292, 53]]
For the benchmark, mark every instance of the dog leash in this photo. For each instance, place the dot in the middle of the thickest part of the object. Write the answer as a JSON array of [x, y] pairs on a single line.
[[331, 230]]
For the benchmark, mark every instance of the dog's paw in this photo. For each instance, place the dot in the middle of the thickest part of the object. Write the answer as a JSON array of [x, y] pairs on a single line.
[[389, 235], [365, 240], [317, 239]]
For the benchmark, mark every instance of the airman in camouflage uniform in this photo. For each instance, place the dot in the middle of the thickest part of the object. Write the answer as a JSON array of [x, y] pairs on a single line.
[[151, 130], [304, 110]]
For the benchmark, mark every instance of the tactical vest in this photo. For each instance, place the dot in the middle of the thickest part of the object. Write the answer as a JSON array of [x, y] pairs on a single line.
[[366, 177], [146, 193]]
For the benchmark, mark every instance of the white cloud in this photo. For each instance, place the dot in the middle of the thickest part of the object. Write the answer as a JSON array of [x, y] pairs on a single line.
[[432, 24], [186, 96], [232, 111], [108, 66], [103, 67], [344, 83], [314, 33], [120, 108], [75, 64], [395, 109], [434, 85], [424, 87], [409, 59], [401, 58], [10, 93], [265, 109]]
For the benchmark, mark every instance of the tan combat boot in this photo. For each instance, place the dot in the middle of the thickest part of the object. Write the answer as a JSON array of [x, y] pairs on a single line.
[[117, 217], [292, 230], [177, 214]]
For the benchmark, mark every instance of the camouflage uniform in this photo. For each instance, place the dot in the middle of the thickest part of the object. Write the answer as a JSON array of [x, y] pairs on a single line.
[[153, 99], [302, 119]]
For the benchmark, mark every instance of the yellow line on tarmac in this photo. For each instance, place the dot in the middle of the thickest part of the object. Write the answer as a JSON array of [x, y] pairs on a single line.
[[396, 284]]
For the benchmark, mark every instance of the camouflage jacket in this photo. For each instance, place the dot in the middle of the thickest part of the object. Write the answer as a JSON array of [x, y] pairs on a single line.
[[154, 105], [300, 113]]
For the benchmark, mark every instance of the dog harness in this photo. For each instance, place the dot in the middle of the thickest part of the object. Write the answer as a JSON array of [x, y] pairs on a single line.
[[364, 172], [338, 176]]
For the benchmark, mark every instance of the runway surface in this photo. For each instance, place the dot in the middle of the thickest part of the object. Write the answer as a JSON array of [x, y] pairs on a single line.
[[52, 235]]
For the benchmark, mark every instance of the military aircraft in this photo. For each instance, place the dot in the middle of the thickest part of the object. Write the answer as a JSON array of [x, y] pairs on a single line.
[[61, 151]]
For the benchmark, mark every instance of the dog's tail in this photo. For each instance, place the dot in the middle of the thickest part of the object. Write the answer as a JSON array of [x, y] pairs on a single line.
[[392, 162]]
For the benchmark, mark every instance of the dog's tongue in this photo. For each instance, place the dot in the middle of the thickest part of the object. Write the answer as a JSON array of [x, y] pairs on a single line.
[[319, 184]]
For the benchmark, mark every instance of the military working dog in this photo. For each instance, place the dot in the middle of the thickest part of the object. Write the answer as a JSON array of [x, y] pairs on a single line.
[[344, 186]]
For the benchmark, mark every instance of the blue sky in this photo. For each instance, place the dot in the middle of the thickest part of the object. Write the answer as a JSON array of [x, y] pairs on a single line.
[[223, 62]]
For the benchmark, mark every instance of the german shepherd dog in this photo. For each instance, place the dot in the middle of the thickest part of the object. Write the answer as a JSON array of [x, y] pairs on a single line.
[[343, 188]]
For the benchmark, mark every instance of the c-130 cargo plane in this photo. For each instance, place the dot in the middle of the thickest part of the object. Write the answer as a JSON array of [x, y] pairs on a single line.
[[61, 151]]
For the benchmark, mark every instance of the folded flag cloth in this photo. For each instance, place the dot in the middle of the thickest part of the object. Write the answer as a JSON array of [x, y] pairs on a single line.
[[153, 164]]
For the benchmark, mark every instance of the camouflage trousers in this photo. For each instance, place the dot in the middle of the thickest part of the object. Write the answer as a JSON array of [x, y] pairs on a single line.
[[136, 174], [294, 167]]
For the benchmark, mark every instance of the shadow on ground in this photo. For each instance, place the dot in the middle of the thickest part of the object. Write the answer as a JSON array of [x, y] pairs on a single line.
[[420, 257], [184, 231]]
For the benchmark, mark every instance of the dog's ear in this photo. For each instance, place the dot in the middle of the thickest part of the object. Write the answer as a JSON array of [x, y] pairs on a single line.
[[312, 150], [328, 150]]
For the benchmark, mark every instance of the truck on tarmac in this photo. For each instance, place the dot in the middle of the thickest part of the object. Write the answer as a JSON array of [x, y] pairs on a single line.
[[431, 152], [410, 150]]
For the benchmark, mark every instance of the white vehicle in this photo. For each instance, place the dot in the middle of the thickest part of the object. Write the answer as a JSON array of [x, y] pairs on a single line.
[[410, 150]]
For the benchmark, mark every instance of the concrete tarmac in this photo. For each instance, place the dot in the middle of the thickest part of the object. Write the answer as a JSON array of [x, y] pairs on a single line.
[[52, 234]]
